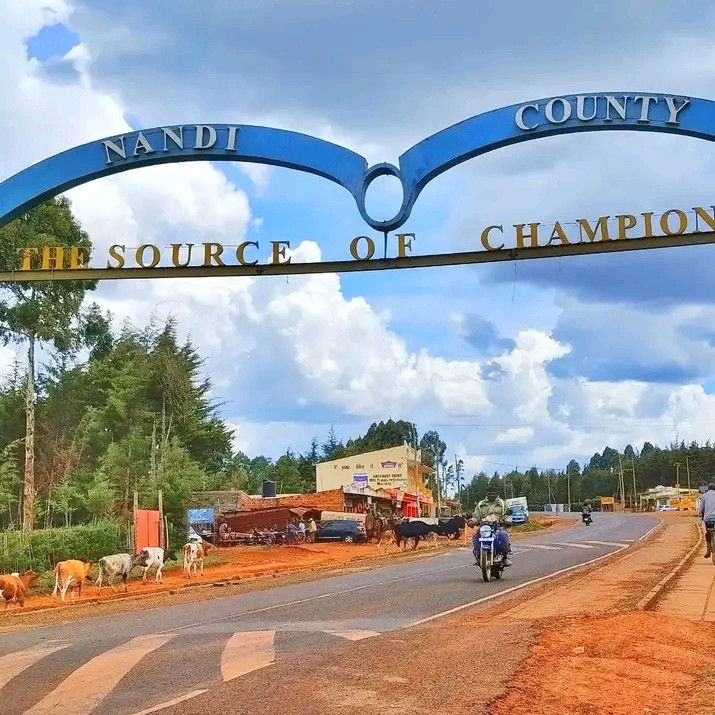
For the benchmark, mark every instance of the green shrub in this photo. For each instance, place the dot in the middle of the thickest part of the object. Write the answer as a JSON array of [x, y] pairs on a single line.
[[40, 550]]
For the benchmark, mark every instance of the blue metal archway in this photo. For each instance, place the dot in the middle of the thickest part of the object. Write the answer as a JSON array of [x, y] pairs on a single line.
[[606, 111]]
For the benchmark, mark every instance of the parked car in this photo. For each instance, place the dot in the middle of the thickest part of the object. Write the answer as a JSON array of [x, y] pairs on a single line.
[[349, 532], [667, 507], [519, 515]]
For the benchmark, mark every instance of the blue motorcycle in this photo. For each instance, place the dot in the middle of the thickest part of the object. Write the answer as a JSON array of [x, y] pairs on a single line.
[[490, 562]]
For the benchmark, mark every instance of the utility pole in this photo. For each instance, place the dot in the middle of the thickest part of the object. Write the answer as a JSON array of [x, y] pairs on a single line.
[[568, 488], [687, 470], [633, 469], [677, 475], [620, 478]]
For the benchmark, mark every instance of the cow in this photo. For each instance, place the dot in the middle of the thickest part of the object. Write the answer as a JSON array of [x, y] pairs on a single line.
[[412, 531], [194, 554], [119, 565], [155, 557], [14, 586], [71, 574], [451, 527]]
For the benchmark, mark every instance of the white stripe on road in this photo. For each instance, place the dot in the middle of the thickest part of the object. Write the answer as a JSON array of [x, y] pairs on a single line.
[[309, 599], [353, 635], [169, 703], [13, 664], [87, 686], [575, 545], [606, 543], [542, 546], [513, 589], [247, 651]]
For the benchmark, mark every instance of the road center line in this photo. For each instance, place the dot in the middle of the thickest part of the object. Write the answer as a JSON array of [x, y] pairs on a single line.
[[513, 589], [311, 598]]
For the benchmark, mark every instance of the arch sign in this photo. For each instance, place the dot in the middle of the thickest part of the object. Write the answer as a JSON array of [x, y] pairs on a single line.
[[418, 166]]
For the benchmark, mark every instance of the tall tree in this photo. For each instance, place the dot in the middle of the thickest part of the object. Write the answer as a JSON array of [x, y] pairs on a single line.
[[36, 313]]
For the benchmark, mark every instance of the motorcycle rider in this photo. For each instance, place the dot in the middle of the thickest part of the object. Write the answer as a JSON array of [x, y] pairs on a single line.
[[707, 514], [586, 512], [492, 510]]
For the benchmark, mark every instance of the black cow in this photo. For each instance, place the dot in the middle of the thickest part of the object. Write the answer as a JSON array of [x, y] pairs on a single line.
[[451, 527], [414, 531]]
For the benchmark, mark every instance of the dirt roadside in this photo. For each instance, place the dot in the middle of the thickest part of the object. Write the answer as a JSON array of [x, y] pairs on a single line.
[[246, 569], [576, 646]]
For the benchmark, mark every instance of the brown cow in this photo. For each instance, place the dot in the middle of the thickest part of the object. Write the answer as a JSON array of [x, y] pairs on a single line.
[[71, 574], [14, 588]]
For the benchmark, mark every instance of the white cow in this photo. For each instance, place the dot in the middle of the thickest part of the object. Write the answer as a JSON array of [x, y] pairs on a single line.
[[155, 557], [194, 554]]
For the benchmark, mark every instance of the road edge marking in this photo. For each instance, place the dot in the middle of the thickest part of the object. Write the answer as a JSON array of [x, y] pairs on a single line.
[[513, 589], [175, 701], [652, 596]]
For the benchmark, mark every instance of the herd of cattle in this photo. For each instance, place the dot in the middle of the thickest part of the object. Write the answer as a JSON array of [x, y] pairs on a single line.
[[71, 575], [404, 532]]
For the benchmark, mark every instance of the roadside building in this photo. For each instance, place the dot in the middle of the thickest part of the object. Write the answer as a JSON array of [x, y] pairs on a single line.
[[370, 478]]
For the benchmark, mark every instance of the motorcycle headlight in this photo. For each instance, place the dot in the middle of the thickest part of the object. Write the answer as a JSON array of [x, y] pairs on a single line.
[[485, 530]]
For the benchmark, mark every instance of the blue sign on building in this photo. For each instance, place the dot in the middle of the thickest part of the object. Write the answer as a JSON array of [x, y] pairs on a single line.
[[607, 111]]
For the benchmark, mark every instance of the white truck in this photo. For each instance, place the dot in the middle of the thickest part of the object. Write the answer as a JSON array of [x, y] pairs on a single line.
[[519, 502]]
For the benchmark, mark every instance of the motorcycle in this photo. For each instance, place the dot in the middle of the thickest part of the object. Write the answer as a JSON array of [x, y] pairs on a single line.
[[490, 562], [587, 519]]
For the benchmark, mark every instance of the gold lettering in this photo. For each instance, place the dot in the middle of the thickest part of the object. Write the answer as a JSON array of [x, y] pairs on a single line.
[[601, 224], [485, 238], [212, 252], [625, 222], [53, 258], [26, 255], [155, 256], [705, 216], [560, 234], [355, 244], [77, 258], [648, 221], [278, 251], [240, 251], [175, 252], [682, 222], [533, 235], [119, 258], [403, 243]]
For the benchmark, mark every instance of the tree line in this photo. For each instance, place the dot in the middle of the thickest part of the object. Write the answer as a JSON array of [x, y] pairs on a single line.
[[691, 465]]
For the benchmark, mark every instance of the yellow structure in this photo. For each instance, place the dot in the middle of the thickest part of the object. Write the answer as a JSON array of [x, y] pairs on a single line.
[[397, 470]]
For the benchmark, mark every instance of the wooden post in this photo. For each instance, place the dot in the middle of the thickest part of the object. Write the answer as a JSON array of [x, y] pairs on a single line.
[[162, 535], [136, 520]]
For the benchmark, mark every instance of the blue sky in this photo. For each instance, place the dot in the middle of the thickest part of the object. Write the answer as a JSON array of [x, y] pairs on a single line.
[[528, 364]]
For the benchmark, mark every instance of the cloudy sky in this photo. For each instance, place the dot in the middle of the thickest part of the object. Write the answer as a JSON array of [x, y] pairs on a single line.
[[515, 365]]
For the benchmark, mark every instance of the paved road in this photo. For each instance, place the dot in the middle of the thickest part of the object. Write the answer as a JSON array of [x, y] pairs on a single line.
[[128, 663]]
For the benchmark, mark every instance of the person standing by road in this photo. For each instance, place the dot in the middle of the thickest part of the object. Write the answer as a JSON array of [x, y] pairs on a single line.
[[707, 514], [312, 530]]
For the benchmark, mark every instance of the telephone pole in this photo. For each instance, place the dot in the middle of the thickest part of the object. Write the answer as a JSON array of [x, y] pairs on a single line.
[[620, 479], [687, 470], [633, 468], [677, 474]]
